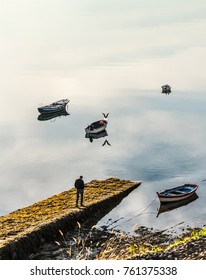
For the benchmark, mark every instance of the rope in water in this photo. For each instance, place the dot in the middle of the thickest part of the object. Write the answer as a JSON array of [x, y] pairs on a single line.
[[134, 216]]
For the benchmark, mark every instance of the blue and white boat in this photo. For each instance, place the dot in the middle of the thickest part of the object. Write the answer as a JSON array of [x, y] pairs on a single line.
[[177, 193], [54, 107]]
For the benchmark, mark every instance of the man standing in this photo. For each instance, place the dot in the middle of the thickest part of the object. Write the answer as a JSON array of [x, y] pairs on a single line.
[[79, 185]]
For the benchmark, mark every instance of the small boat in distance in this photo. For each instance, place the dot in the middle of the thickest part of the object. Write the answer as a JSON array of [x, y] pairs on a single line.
[[98, 126], [166, 89], [177, 193], [53, 107]]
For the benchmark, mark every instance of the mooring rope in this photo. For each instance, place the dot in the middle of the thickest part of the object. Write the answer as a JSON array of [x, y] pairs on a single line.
[[134, 216], [143, 212], [139, 214]]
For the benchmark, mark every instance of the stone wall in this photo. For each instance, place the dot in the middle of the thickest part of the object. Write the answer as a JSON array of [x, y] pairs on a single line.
[[20, 248]]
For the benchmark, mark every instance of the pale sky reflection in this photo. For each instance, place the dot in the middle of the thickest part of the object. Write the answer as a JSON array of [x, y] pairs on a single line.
[[104, 57]]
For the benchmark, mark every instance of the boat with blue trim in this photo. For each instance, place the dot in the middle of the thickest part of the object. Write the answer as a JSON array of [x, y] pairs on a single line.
[[177, 193], [53, 107]]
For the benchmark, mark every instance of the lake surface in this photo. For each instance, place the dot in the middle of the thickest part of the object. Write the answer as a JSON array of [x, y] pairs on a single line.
[[106, 58]]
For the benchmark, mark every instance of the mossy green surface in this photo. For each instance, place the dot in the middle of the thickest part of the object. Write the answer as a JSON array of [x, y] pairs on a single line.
[[28, 219], [145, 248]]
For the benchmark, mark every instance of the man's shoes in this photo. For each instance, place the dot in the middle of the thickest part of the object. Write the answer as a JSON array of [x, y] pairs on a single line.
[[77, 206], [82, 205]]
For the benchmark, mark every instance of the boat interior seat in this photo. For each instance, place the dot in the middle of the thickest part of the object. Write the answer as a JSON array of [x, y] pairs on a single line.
[[178, 192]]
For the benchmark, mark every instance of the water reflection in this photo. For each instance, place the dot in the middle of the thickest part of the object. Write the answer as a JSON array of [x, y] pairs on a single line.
[[106, 142], [130, 50], [50, 116], [94, 136], [164, 207], [166, 93]]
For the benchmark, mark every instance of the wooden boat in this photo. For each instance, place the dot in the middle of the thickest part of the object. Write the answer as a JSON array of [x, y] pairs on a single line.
[[166, 89], [98, 126], [165, 207], [177, 193], [49, 116], [53, 107]]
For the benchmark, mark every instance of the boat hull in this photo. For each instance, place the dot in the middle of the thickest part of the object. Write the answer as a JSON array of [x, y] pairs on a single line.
[[49, 116], [96, 127], [54, 107], [177, 193]]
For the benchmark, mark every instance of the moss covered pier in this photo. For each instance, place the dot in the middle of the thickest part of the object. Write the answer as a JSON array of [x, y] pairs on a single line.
[[24, 230]]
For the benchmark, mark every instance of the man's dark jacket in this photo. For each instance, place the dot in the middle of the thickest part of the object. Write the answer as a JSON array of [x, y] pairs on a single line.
[[79, 184]]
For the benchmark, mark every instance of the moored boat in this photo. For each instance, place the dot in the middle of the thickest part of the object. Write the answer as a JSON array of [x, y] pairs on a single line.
[[98, 126], [53, 107], [177, 193], [166, 89]]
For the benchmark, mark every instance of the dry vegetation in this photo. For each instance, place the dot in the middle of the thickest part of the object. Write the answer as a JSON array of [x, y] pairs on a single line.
[[94, 243]]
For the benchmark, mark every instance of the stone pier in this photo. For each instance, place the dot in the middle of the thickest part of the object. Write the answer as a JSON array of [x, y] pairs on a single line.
[[24, 230]]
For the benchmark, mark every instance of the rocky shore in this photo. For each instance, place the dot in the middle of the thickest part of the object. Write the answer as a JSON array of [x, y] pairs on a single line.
[[101, 244], [191, 250], [160, 246]]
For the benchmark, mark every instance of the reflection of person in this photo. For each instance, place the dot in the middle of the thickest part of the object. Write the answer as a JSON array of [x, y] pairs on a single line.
[[79, 185]]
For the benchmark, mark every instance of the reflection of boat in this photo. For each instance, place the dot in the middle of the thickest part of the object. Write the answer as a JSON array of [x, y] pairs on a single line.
[[177, 193], [49, 116], [97, 126], [92, 136], [164, 207], [54, 107], [166, 89]]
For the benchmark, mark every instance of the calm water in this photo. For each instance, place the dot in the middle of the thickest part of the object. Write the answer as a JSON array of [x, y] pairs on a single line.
[[105, 58]]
